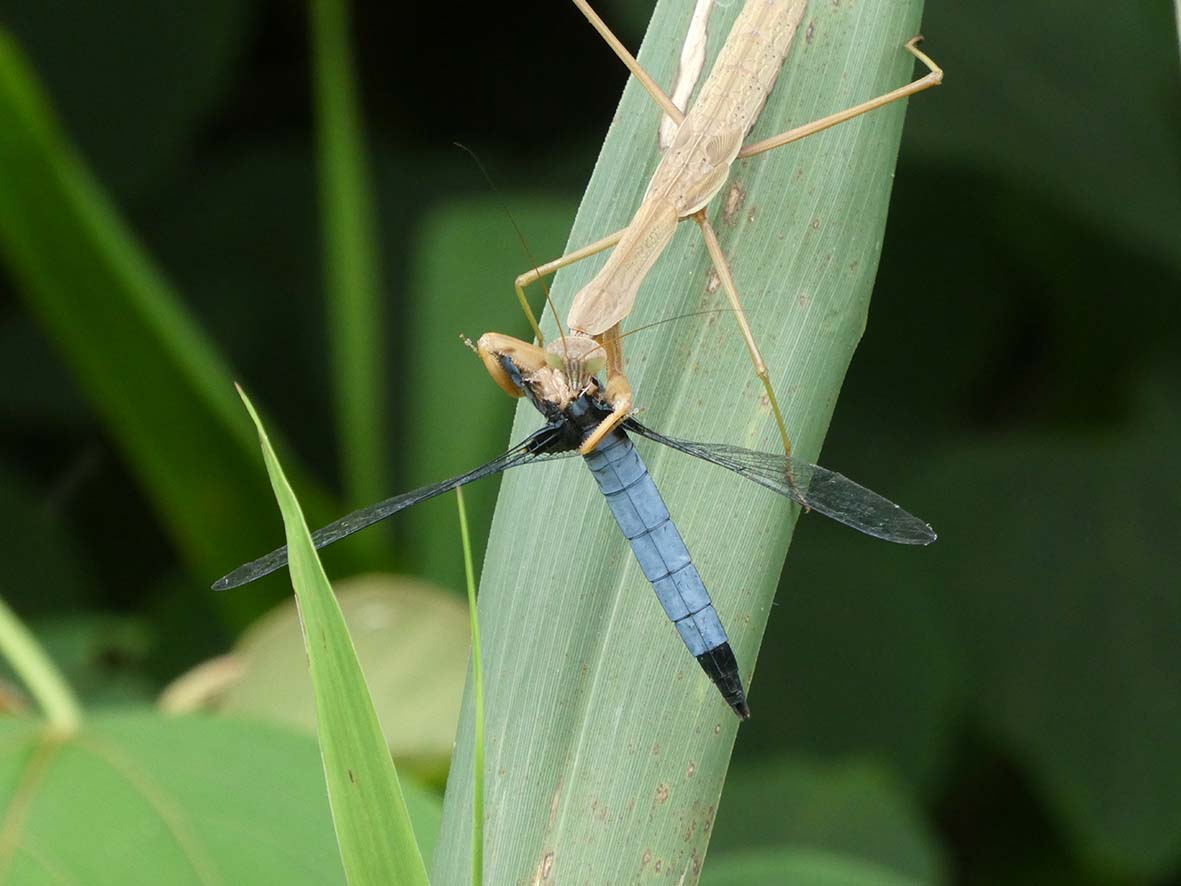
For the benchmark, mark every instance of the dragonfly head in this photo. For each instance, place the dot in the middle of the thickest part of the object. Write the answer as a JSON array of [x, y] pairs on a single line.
[[579, 359]]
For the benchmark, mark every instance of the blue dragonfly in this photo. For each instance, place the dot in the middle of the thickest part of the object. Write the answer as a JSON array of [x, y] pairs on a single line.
[[573, 411]]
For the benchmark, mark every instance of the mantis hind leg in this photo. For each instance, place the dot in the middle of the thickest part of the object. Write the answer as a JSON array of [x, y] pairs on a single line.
[[659, 95], [933, 77], [756, 357]]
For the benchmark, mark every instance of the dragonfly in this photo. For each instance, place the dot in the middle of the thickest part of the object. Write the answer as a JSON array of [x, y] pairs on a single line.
[[573, 405]]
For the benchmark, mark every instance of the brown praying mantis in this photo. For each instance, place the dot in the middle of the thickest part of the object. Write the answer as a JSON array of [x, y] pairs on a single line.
[[580, 415], [694, 168]]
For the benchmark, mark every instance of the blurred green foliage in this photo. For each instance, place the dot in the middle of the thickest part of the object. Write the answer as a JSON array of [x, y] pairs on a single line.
[[1017, 386]]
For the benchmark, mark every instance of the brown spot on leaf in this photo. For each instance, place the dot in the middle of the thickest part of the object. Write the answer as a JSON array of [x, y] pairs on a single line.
[[692, 770], [542, 871], [662, 793], [735, 197], [712, 281], [553, 805], [810, 33]]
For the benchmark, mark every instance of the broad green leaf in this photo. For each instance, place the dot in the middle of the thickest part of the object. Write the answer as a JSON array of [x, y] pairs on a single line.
[[799, 867], [607, 746], [139, 799], [416, 680], [159, 384], [855, 810], [373, 827], [136, 798], [353, 275]]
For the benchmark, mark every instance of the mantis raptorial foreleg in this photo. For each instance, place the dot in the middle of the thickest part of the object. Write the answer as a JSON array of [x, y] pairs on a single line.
[[619, 390]]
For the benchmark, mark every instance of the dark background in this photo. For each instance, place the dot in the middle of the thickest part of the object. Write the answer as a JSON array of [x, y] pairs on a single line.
[[1014, 691]]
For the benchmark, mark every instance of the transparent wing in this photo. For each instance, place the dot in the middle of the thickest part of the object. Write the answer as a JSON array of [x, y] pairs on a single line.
[[365, 517], [816, 488]]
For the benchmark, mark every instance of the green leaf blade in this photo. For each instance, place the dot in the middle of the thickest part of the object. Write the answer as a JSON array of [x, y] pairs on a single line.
[[373, 828], [607, 747]]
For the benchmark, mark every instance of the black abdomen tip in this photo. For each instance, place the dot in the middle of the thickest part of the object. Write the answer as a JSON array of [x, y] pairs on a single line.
[[722, 668]]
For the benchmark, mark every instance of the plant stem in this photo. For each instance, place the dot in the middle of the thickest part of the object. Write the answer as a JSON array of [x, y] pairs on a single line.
[[478, 693], [44, 681]]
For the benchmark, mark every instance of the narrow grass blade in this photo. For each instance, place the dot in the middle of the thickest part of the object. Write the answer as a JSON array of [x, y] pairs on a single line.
[[160, 386], [478, 701], [373, 828], [607, 747], [45, 682], [352, 281]]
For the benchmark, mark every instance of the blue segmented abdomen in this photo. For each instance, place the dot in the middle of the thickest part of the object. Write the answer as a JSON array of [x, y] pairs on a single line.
[[641, 514]]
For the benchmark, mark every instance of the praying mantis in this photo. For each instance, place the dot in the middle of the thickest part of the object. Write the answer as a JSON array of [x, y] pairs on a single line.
[[694, 168]]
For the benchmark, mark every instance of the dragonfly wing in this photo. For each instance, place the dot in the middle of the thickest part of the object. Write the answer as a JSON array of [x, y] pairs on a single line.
[[816, 488], [367, 516]]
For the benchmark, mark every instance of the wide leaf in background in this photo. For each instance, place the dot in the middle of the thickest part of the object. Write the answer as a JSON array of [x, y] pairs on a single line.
[[135, 798], [607, 746], [411, 639]]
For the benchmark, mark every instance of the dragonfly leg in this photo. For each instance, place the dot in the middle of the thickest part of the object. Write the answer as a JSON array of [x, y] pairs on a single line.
[[535, 274], [659, 95], [528, 357], [618, 393], [933, 77], [756, 357]]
